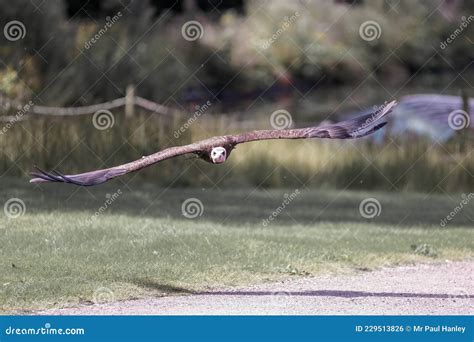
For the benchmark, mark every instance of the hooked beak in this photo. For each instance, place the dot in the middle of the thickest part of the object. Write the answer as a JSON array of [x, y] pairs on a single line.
[[219, 159]]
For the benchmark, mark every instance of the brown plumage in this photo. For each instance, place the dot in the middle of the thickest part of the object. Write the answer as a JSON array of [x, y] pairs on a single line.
[[217, 149]]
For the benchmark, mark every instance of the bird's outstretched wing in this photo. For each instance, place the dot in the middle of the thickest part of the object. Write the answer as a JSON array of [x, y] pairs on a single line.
[[101, 176], [349, 129]]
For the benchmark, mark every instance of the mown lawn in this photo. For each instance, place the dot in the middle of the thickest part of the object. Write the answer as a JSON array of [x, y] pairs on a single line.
[[141, 244]]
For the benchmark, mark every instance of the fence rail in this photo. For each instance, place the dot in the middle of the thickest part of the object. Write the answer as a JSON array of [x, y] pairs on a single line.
[[129, 101]]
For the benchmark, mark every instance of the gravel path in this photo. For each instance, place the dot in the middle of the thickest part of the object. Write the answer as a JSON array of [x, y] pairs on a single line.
[[446, 288]]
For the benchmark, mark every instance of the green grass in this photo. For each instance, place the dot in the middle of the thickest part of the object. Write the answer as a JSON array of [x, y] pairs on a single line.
[[142, 245]]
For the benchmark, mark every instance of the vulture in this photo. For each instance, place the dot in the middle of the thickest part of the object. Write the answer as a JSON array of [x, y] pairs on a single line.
[[217, 149]]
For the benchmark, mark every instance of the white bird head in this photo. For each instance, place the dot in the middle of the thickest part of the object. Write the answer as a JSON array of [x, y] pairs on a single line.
[[218, 155]]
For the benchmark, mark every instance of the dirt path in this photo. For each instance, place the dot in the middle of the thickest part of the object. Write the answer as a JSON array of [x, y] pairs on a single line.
[[446, 288]]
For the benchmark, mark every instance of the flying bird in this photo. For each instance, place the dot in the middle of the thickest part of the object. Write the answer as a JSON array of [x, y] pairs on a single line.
[[216, 150]]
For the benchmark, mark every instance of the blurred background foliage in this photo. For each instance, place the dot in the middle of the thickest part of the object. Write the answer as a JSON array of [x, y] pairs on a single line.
[[312, 67], [146, 46]]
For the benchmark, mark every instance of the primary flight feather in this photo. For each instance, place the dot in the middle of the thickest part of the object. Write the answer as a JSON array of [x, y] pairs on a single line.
[[216, 150]]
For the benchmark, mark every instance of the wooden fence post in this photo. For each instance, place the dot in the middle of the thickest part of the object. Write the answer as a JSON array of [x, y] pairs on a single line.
[[130, 101]]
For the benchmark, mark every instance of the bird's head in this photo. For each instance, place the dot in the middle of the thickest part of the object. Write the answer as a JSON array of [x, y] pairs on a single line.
[[218, 155]]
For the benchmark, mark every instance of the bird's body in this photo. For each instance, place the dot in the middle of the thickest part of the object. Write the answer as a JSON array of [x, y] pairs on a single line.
[[216, 150]]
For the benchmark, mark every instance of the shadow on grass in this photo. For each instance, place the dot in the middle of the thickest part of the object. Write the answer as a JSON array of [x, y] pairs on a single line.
[[242, 205], [152, 285]]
